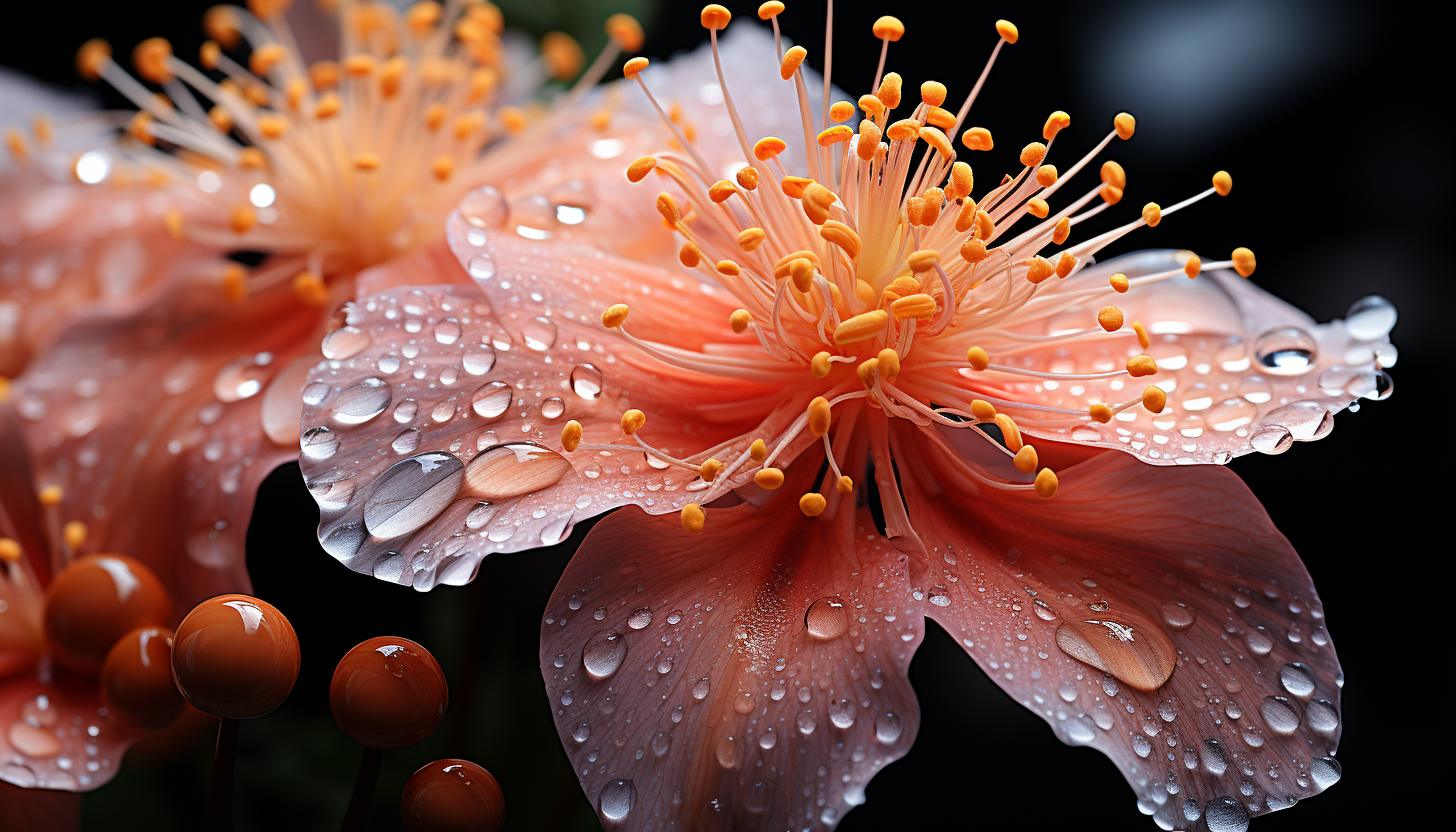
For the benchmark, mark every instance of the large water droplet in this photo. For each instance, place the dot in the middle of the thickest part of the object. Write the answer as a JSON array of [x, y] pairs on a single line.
[[503, 471], [1305, 420], [492, 400], [603, 654], [478, 359], [1286, 351], [1325, 771], [1177, 616], [1297, 679], [1215, 761], [1370, 317], [841, 713], [241, 378], [1321, 716], [617, 799], [411, 493], [639, 618], [406, 441], [826, 618], [318, 443], [1225, 814], [362, 402], [889, 727], [1271, 439], [344, 343], [552, 408], [539, 334], [484, 207], [481, 266], [1279, 715], [447, 331], [586, 380]]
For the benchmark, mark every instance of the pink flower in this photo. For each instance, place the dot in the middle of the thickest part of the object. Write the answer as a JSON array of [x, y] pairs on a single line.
[[813, 394]]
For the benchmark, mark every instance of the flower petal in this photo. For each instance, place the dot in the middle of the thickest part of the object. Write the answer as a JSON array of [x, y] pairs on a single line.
[[753, 676], [1155, 614], [433, 436], [57, 736], [152, 424], [39, 809], [1243, 371]]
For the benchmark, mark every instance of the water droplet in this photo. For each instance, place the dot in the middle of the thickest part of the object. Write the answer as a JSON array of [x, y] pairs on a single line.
[[586, 380], [1325, 771], [1321, 716], [1067, 690], [503, 471], [241, 378], [1167, 710], [552, 408], [768, 739], [1286, 351], [1279, 715], [411, 493], [826, 619], [1297, 679], [581, 733], [1215, 761], [539, 334], [700, 689], [1305, 420], [406, 411], [478, 359], [1141, 745], [841, 713], [484, 207], [1225, 814], [1231, 414], [617, 799], [344, 343], [603, 654], [407, 441], [482, 266], [318, 443], [639, 618], [316, 392], [1177, 616], [1259, 642], [447, 331], [362, 402], [806, 723], [889, 727], [492, 400], [1271, 439], [1370, 317]]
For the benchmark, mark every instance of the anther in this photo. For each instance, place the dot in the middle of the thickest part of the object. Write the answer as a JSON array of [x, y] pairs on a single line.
[[693, 518], [710, 469], [1040, 269], [720, 191], [1111, 194], [1124, 124], [1037, 207], [1046, 175], [841, 235], [1113, 174], [689, 255], [770, 10], [977, 138], [812, 504], [747, 178], [150, 58], [367, 161], [728, 268], [1152, 214], [918, 306], [790, 64], [50, 496], [74, 533], [801, 272], [844, 485], [1010, 433], [1033, 153], [978, 358], [973, 250], [625, 31], [1141, 365], [1066, 264], [841, 111], [667, 207], [309, 288], [932, 93], [888, 28], [983, 410], [1223, 183], [889, 91], [906, 129], [235, 284], [1062, 231], [751, 238], [861, 327], [867, 370], [632, 421], [889, 363], [1154, 399], [769, 478], [820, 364], [923, 260], [443, 167], [1046, 484], [758, 451], [571, 435], [222, 25], [9, 550], [614, 316], [1119, 282], [640, 168], [962, 180], [1193, 267], [1110, 318], [242, 219], [1026, 459], [1243, 261], [1142, 334], [768, 147], [937, 140], [715, 17], [1100, 412], [740, 319], [819, 416], [1007, 30]]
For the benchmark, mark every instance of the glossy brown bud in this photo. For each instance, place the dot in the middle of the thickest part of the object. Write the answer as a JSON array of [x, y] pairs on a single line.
[[388, 693], [235, 657], [452, 796], [96, 601], [136, 680]]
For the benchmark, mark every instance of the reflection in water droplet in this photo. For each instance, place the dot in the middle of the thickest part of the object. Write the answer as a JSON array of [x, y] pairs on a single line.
[[407, 441], [826, 619], [447, 331], [481, 267], [406, 411], [1297, 679], [411, 493], [841, 713], [552, 408], [1225, 814], [888, 727], [318, 443], [617, 799], [362, 402], [478, 359], [344, 343], [492, 400], [241, 378], [1258, 642], [1321, 716], [1305, 420], [484, 207], [603, 654], [639, 618], [503, 471], [1325, 771], [1370, 317], [586, 380], [1286, 351], [1271, 439], [316, 392], [1279, 715], [539, 334], [1177, 616]]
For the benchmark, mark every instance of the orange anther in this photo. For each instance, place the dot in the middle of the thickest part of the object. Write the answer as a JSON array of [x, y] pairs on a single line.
[[715, 17], [1055, 123], [1124, 124], [977, 138]]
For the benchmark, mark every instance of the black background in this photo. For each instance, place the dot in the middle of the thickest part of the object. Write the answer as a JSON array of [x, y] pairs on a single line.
[[1325, 113]]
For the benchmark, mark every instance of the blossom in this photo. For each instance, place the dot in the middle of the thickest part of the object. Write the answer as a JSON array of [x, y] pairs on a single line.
[[864, 399], [176, 268]]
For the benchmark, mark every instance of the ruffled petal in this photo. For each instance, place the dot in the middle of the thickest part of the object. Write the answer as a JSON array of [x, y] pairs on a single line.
[[751, 677], [153, 424], [1154, 614], [433, 436], [1243, 371], [57, 736]]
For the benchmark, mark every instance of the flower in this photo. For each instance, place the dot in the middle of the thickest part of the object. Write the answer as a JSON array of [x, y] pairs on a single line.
[[864, 399], [158, 378]]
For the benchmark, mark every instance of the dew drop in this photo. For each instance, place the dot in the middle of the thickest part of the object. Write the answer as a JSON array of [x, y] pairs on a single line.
[[411, 493], [1370, 317], [482, 266], [1271, 439], [552, 408], [826, 619], [639, 618], [1297, 679], [344, 343], [603, 654], [1321, 716], [1279, 715], [617, 799], [586, 381], [492, 400], [1177, 616], [484, 207], [503, 471], [478, 360], [318, 443], [407, 441], [539, 334], [1325, 771], [447, 331], [889, 727], [362, 402], [1225, 814], [1286, 351], [841, 713]]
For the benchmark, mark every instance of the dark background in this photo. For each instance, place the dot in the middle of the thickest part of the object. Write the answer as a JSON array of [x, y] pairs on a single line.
[[1322, 111]]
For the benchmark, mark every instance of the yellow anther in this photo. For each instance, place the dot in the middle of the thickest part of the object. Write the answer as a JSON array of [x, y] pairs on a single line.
[[801, 272], [391, 78], [265, 57], [310, 289], [208, 54], [861, 327], [770, 10], [74, 533], [720, 191], [869, 139], [328, 106], [977, 138], [514, 120], [51, 495], [571, 435], [751, 238], [769, 478], [1154, 399], [1193, 267], [1113, 174], [9, 550], [728, 268], [1040, 269], [1142, 334], [435, 115], [978, 358], [1055, 123], [667, 207], [973, 250], [983, 410], [790, 64], [140, 128], [1141, 365], [1100, 413], [1110, 317], [615, 315], [235, 284], [864, 292], [961, 181], [633, 67], [901, 286], [1066, 264], [1223, 183], [632, 421], [1026, 459], [1243, 261], [360, 66], [689, 255], [819, 416], [1152, 214], [268, 9], [693, 518], [173, 221], [1062, 231], [906, 129], [841, 235], [1037, 207], [640, 168], [272, 126], [867, 371], [15, 141], [443, 167], [710, 470], [1046, 175], [923, 260], [1033, 153], [740, 319], [625, 31], [915, 210], [747, 178], [1010, 432], [831, 136], [1046, 484], [812, 504], [1124, 124], [757, 451], [768, 147], [1119, 282], [940, 117], [715, 17], [785, 263], [844, 485], [932, 93], [1007, 30], [150, 59], [841, 111], [888, 28], [889, 361], [422, 17], [242, 219], [1111, 194], [871, 105], [937, 140], [918, 306], [221, 23], [820, 364], [367, 161], [817, 202], [324, 75], [889, 91], [966, 217]]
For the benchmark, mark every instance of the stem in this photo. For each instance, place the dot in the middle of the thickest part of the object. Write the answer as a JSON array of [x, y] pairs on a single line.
[[222, 775], [363, 790]]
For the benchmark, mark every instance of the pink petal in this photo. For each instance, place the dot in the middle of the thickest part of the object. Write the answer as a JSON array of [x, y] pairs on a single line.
[[152, 425], [433, 436], [57, 736], [1078, 606], [687, 687], [1243, 371]]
